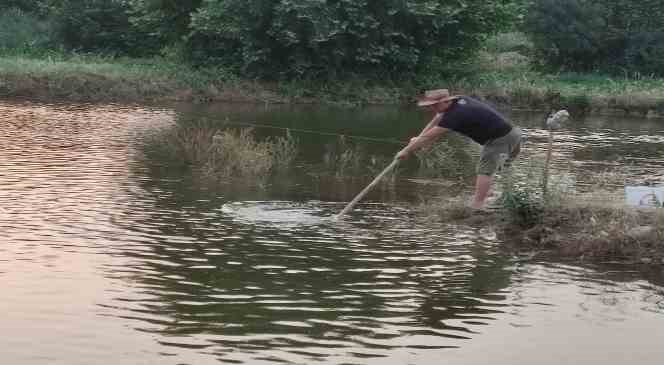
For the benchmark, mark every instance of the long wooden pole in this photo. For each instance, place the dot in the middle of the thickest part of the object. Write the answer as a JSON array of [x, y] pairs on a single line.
[[364, 192]]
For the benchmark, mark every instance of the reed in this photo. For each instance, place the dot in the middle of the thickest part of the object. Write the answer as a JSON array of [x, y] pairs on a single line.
[[347, 159], [222, 154]]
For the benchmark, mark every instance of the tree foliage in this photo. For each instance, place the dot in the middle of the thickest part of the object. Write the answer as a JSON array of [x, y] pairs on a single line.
[[599, 34], [24, 5], [23, 31], [167, 21], [324, 36], [98, 26], [276, 38]]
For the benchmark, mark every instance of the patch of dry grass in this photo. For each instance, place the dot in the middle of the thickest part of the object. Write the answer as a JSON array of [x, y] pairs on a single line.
[[595, 228], [238, 154], [565, 222], [598, 230], [226, 154]]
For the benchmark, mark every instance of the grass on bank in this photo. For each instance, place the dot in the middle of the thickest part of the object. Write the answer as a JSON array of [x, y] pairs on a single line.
[[580, 93], [501, 73], [97, 78]]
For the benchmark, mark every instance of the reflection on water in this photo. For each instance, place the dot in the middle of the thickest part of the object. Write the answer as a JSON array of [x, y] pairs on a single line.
[[278, 213], [107, 258]]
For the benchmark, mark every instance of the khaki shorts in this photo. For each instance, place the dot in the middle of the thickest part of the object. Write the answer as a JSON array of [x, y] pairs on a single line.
[[499, 152]]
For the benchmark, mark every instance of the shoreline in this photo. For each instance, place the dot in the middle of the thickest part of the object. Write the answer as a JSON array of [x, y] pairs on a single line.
[[559, 237], [151, 81]]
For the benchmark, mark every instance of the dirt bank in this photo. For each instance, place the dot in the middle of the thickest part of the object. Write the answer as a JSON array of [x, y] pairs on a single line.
[[589, 233], [93, 87], [72, 82]]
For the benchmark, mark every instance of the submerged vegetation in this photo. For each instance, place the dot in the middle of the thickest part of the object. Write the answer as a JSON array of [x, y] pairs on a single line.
[[347, 159], [223, 154], [238, 155]]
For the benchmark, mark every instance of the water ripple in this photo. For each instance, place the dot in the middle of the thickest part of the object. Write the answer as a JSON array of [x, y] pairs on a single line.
[[107, 257]]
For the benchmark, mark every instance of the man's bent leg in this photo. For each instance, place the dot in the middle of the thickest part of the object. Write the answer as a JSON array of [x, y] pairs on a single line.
[[482, 187]]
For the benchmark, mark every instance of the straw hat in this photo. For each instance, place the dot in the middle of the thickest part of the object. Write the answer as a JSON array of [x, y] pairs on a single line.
[[432, 97]]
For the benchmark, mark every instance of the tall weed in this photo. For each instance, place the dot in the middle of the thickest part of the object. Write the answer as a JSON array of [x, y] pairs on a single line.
[[226, 154], [346, 159], [283, 150], [238, 154], [522, 197]]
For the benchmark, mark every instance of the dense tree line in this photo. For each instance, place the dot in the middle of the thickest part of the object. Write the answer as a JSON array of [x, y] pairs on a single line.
[[277, 38], [607, 35], [282, 37], [316, 36]]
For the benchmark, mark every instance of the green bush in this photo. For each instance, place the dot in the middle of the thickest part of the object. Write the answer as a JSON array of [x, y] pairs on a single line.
[[323, 37], [521, 194], [509, 42], [165, 22], [31, 6], [570, 33], [285, 38], [24, 32], [590, 35], [645, 53], [522, 207], [101, 26]]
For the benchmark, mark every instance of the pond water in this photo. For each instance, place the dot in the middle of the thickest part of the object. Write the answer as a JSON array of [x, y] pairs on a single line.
[[109, 256]]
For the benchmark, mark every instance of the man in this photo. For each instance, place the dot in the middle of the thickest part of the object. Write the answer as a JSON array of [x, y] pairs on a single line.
[[501, 142]]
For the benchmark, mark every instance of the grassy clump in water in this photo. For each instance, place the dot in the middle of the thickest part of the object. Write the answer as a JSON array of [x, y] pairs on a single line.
[[226, 154], [350, 160], [541, 210], [344, 158], [558, 218], [565, 222], [238, 154], [600, 230]]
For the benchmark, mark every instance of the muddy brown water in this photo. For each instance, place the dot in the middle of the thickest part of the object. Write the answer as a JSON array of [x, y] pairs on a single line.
[[110, 257]]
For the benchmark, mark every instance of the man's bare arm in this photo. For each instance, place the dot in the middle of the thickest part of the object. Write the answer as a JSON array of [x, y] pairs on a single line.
[[426, 138], [433, 123]]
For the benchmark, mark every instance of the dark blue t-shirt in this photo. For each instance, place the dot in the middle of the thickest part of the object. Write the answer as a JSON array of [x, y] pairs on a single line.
[[475, 120]]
